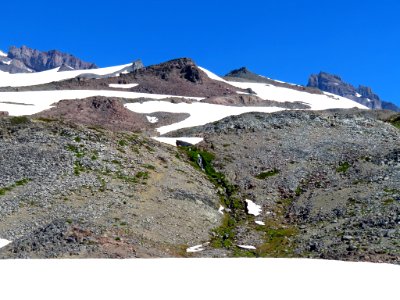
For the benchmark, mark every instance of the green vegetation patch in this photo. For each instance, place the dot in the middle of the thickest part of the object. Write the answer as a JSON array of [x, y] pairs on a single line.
[[78, 168], [47, 120], [142, 175], [19, 120], [122, 143], [266, 174], [78, 152], [6, 189], [343, 167], [395, 121], [224, 235]]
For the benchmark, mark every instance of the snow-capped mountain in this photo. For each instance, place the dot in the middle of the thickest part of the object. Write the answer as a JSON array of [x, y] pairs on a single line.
[[176, 78]]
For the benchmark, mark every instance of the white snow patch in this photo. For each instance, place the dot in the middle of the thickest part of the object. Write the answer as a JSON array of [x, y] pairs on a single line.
[[42, 100], [279, 81], [2, 53], [200, 113], [260, 223], [122, 86], [369, 100], [4, 243], [248, 247], [7, 62], [172, 140], [252, 208], [221, 209], [179, 279], [358, 95], [282, 94], [28, 79], [213, 76], [152, 119], [196, 248]]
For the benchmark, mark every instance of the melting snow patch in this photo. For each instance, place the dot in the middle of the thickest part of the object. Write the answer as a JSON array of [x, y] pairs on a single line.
[[196, 248], [4, 243], [248, 247], [260, 223], [221, 210], [252, 208], [172, 140], [122, 86], [152, 119]]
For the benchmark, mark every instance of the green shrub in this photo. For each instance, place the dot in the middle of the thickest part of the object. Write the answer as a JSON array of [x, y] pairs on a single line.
[[267, 174], [343, 167], [19, 120]]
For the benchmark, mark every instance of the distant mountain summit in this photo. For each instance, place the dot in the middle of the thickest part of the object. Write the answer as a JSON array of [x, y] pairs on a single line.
[[334, 84], [244, 74], [28, 60]]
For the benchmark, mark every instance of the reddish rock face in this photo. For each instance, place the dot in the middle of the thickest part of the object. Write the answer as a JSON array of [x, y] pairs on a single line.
[[108, 113]]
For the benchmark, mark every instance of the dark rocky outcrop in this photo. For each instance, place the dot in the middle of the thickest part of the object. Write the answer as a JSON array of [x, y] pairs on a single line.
[[180, 77], [25, 59], [245, 75], [335, 85]]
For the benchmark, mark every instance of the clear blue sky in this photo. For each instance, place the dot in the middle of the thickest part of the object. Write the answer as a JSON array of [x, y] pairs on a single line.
[[286, 40]]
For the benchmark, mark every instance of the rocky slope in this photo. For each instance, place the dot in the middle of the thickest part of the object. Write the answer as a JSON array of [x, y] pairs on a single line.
[[335, 85], [71, 191], [25, 60], [327, 183]]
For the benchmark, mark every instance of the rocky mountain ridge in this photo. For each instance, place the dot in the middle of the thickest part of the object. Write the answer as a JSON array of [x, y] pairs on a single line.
[[363, 94], [28, 60]]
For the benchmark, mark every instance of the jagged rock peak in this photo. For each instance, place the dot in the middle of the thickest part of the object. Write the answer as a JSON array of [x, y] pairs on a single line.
[[137, 65], [244, 73], [185, 67], [44, 60], [239, 72], [363, 94]]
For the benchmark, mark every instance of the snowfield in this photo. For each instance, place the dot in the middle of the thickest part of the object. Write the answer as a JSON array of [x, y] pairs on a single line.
[[28, 79], [29, 103], [197, 279], [200, 113], [281, 94]]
